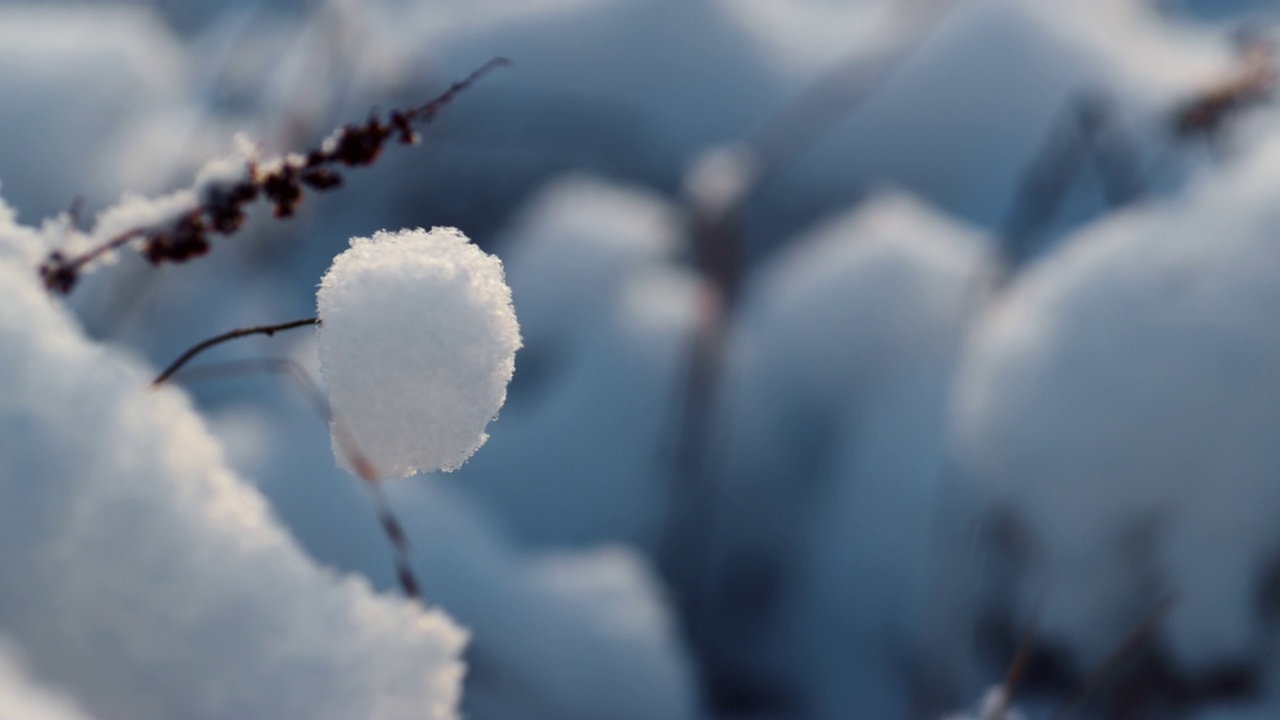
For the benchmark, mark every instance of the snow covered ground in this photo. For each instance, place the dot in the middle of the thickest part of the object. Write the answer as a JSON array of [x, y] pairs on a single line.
[[900, 325]]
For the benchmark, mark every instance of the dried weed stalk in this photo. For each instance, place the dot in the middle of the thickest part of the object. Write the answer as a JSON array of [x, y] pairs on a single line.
[[219, 204]]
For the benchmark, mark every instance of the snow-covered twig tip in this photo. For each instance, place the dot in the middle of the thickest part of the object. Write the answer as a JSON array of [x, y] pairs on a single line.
[[176, 227]]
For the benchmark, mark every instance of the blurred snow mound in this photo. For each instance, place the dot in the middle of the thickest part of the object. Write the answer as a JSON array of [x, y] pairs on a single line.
[[1121, 402], [606, 315], [565, 634], [75, 80], [843, 356]]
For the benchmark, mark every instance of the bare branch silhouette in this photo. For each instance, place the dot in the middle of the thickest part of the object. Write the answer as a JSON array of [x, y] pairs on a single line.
[[203, 345], [1088, 128], [1127, 647]]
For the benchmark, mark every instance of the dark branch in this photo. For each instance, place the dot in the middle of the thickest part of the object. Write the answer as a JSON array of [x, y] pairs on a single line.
[[203, 345], [1088, 128], [1022, 659], [1207, 113], [221, 207], [1127, 647]]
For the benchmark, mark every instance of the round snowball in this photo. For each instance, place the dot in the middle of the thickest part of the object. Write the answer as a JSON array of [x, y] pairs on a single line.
[[417, 344]]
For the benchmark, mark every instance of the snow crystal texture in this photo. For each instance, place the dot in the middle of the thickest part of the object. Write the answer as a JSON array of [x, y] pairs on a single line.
[[417, 345]]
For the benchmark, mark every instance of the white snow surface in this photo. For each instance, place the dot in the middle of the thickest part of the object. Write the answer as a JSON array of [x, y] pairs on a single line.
[[22, 698], [553, 634], [149, 580], [136, 213], [1122, 402], [417, 344], [844, 354]]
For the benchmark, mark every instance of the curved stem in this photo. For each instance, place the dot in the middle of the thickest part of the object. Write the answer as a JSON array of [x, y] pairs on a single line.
[[203, 345]]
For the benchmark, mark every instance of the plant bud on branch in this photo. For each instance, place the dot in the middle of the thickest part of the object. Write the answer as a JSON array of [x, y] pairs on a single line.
[[176, 228]]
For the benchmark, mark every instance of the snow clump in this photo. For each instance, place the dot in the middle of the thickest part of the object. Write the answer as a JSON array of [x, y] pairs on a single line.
[[417, 344]]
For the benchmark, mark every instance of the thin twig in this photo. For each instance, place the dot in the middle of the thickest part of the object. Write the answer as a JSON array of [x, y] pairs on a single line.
[[203, 345], [841, 90], [1112, 662], [347, 446], [1088, 128], [1021, 659], [391, 527]]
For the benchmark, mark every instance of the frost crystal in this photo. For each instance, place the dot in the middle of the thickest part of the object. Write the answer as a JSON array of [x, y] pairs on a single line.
[[417, 344]]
